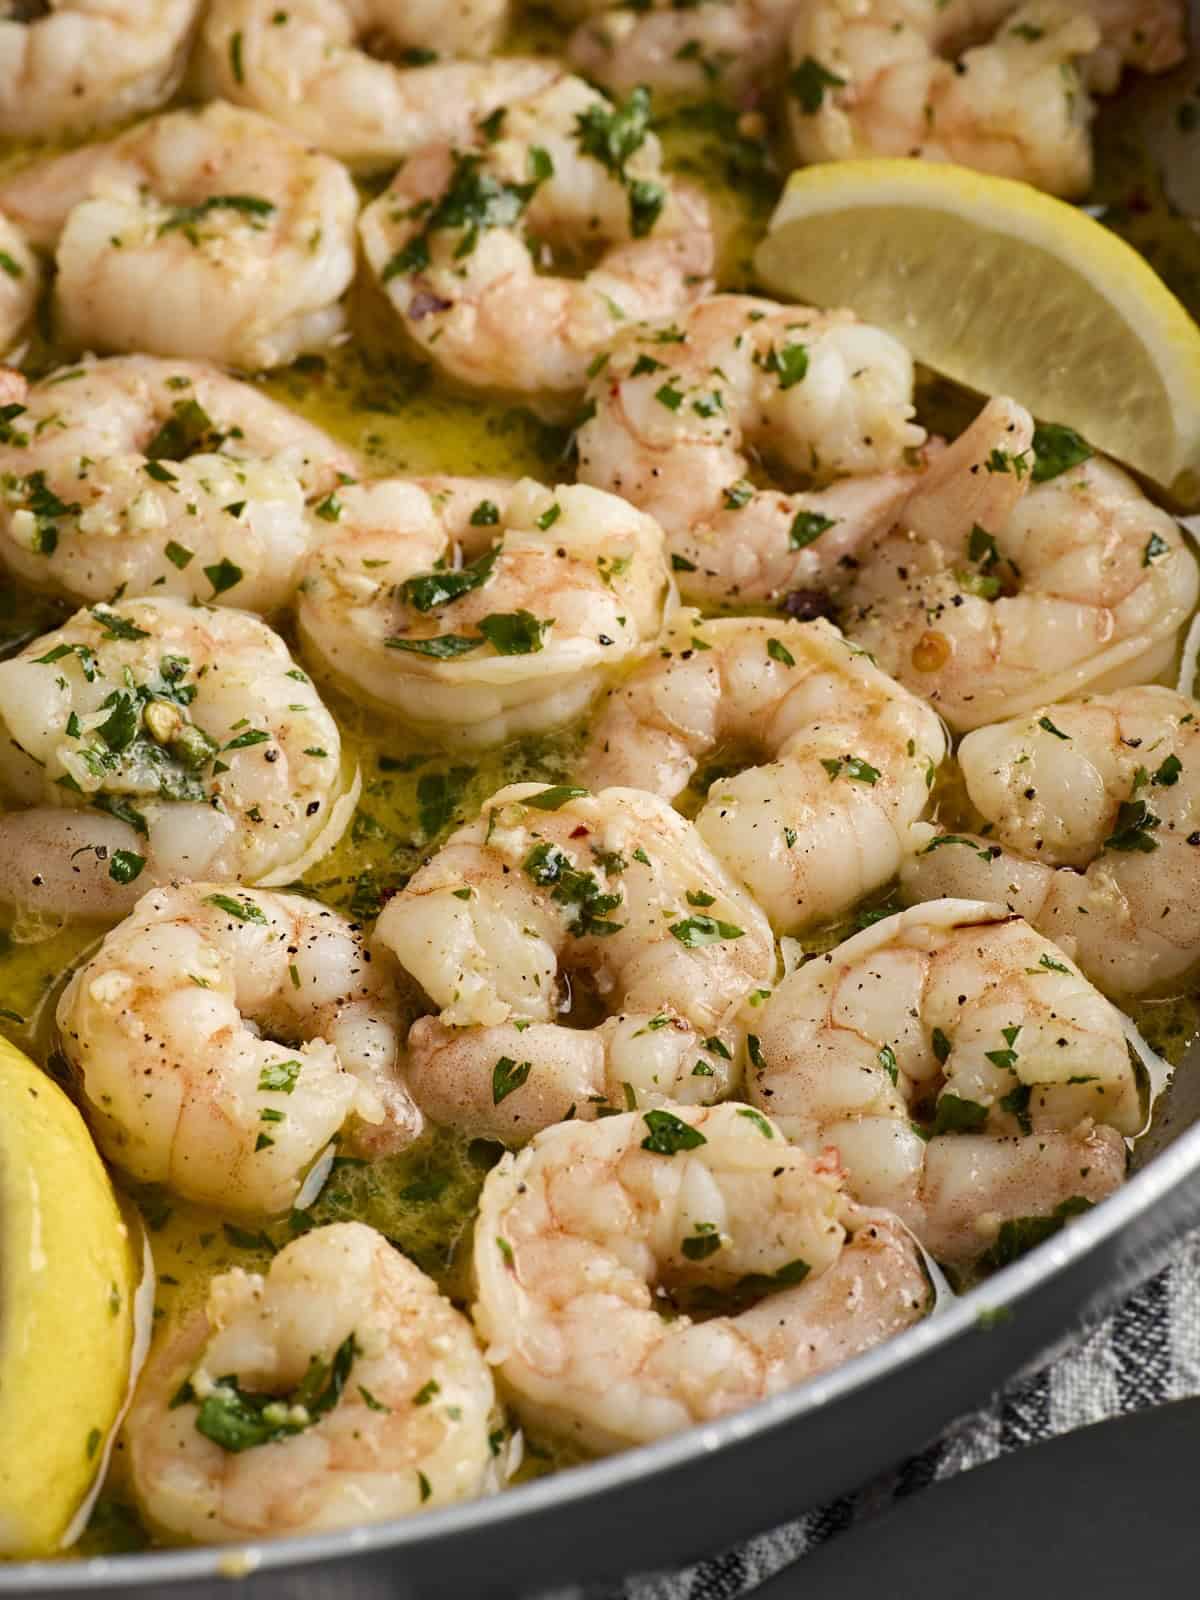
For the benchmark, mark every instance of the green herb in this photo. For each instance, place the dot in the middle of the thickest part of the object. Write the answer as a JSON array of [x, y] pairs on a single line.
[[1155, 546], [1167, 775], [669, 1134], [987, 852], [370, 1401], [778, 651], [185, 218], [808, 83], [280, 1077], [941, 1046], [738, 494], [1016, 1103], [223, 575], [1019, 1235], [695, 932], [187, 431], [955, 1115], [514, 633], [551, 868], [697, 897], [756, 1117], [704, 1242], [1055, 450], [235, 58], [507, 1077], [125, 866], [1133, 828], [485, 515], [887, 1060], [554, 798], [243, 910], [789, 364], [247, 740], [808, 526], [438, 796], [669, 396], [178, 554], [237, 1420], [442, 647], [13, 268], [1045, 723], [548, 517], [426, 1392], [853, 768]]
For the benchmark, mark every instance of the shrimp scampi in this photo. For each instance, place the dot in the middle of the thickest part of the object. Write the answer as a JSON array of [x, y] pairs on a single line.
[[1020, 575], [678, 409], [305, 67], [727, 48], [336, 1388], [479, 609], [187, 734], [592, 1239], [222, 1038], [850, 757], [152, 477], [554, 891], [1093, 817], [214, 234], [959, 1014], [463, 242]]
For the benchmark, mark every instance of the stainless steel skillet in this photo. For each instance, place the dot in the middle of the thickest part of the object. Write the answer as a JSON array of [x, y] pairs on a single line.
[[671, 1503]]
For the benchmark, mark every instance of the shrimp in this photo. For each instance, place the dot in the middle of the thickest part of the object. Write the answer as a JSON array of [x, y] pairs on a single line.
[[984, 83], [850, 756], [478, 610], [727, 47], [223, 1037], [144, 476], [961, 1014], [1093, 813], [993, 597], [339, 1387], [72, 66], [212, 233], [20, 284], [590, 1238], [681, 407], [303, 66], [192, 728], [614, 893], [461, 240]]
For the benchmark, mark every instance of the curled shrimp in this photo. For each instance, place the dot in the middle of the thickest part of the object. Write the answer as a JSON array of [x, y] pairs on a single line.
[[460, 240], [20, 285], [191, 728], [1093, 813], [211, 233], [728, 48], [850, 756], [594, 1231], [985, 83], [77, 65], [338, 1387], [613, 893], [997, 593], [958, 1013], [681, 407], [145, 476], [479, 610], [222, 1037], [305, 67]]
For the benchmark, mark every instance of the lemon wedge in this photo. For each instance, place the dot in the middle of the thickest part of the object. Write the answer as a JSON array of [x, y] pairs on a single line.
[[1005, 290], [69, 1274]]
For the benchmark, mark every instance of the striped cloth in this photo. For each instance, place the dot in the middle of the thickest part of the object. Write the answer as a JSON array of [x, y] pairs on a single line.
[[1147, 1353]]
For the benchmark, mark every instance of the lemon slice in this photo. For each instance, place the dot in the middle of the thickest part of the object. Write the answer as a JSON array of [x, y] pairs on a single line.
[[1005, 290], [69, 1274]]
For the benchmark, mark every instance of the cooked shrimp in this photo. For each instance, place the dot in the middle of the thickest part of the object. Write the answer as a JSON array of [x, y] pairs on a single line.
[[680, 408], [993, 597], [728, 47], [551, 887], [222, 1037], [304, 66], [459, 241], [212, 233], [20, 285], [596, 1230], [192, 728], [962, 1014], [143, 476], [850, 756], [985, 83], [338, 1388], [479, 610], [71, 66], [1093, 813]]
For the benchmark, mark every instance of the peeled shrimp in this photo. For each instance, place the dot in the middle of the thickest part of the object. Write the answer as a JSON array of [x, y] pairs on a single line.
[[552, 887], [71, 66], [1093, 813], [680, 407], [304, 65], [998, 593], [459, 241], [337, 1388], [850, 756], [985, 83], [728, 47], [586, 1240], [191, 728], [212, 233], [960, 1013], [144, 476], [20, 284], [174, 1028], [480, 610]]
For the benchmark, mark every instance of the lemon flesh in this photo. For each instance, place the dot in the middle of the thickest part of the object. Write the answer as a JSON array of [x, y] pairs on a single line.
[[1005, 290], [68, 1277]]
